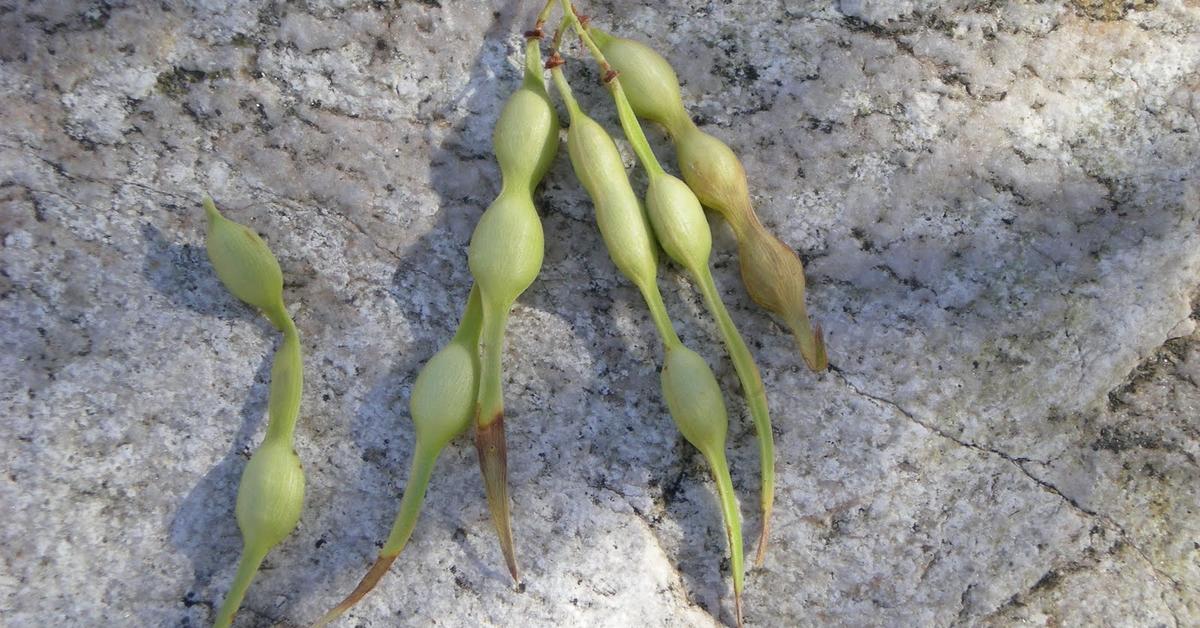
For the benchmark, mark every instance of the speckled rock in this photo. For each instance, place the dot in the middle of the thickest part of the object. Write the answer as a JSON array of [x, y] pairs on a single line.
[[998, 205]]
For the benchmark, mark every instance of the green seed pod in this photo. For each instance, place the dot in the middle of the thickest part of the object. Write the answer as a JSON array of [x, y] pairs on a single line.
[[271, 492], [525, 138], [270, 495], [442, 406], [678, 220], [506, 249], [622, 221], [653, 90], [443, 398], [694, 399], [243, 262], [696, 405], [682, 230], [505, 256]]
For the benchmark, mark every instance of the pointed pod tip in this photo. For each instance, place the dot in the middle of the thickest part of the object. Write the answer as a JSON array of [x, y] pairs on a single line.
[[210, 208], [760, 556], [493, 462], [812, 347], [368, 582]]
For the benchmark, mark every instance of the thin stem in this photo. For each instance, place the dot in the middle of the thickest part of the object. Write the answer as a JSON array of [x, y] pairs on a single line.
[[558, 32], [543, 14], [490, 402], [633, 130], [756, 396], [247, 567], [287, 386], [468, 324], [629, 123], [564, 90], [406, 520], [733, 526], [569, 13], [534, 73], [658, 313], [414, 495]]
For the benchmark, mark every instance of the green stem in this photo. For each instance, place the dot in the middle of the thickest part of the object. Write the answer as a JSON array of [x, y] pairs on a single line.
[[414, 495], [756, 396], [733, 526], [569, 13], [534, 73], [658, 313], [406, 520], [564, 90], [544, 13], [468, 325], [247, 567], [287, 385], [633, 131], [558, 32], [490, 402]]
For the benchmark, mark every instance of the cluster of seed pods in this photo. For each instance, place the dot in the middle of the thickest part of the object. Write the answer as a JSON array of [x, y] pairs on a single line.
[[772, 272], [460, 385]]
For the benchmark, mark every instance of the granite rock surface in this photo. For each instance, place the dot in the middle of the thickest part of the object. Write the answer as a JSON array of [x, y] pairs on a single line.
[[999, 208]]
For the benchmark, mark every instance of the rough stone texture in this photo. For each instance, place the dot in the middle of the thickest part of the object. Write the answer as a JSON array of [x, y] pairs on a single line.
[[998, 203]]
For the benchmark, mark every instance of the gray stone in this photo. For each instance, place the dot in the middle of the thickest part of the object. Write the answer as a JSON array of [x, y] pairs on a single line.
[[999, 209]]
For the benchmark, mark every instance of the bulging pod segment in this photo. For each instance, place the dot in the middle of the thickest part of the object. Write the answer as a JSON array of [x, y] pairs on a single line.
[[694, 399], [443, 398], [507, 246], [525, 138], [270, 496], [678, 221], [243, 262], [620, 216], [649, 81], [715, 174]]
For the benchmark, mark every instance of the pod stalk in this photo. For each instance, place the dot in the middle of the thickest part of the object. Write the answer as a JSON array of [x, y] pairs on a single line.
[[406, 520], [287, 381], [658, 313], [248, 566], [733, 527], [756, 398]]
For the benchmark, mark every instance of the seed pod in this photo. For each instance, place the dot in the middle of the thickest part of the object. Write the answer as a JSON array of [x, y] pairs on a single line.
[[622, 221], [694, 399], [506, 249], [505, 256], [772, 272], [691, 390], [443, 398], [271, 491], [682, 230], [270, 495], [442, 406], [696, 405], [653, 90], [678, 220], [243, 262], [525, 138]]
